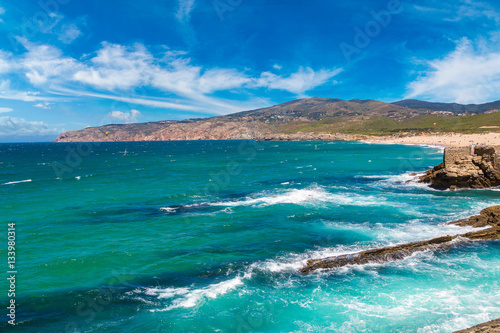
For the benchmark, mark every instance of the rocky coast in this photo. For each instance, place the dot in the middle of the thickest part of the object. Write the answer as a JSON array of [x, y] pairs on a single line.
[[465, 167], [488, 220]]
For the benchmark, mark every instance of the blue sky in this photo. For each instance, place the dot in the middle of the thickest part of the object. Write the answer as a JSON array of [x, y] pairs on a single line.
[[69, 64]]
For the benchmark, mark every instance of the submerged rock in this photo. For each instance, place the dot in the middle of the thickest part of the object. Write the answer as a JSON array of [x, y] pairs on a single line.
[[488, 217], [465, 167]]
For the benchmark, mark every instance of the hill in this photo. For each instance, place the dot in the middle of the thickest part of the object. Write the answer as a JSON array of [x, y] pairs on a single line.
[[312, 116], [449, 107]]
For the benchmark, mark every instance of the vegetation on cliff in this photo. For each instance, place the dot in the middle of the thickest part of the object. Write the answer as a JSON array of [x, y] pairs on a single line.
[[312, 116]]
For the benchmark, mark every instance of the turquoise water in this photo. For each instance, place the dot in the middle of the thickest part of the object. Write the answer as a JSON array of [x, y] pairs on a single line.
[[207, 236]]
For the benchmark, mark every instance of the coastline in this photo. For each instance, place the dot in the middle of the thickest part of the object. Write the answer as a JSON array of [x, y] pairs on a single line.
[[440, 139]]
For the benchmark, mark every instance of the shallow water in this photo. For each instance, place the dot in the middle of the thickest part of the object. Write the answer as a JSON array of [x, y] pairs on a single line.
[[208, 236]]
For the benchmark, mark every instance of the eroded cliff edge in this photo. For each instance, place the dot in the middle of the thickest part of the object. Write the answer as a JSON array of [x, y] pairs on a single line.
[[466, 167]]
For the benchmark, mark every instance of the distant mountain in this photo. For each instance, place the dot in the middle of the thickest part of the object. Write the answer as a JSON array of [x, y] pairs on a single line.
[[450, 107], [300, 119]]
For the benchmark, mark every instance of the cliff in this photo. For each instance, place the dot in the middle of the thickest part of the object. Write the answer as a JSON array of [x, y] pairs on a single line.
[[284, 119], [299, 119], [466, 167], [212, 129], [489, 217]]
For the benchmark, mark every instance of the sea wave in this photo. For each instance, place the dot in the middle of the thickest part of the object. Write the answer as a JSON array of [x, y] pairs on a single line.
[[17, 182], [313, 195], [188, 297]]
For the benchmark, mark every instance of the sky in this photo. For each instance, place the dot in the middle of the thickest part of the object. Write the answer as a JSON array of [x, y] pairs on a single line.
[[71, 64]]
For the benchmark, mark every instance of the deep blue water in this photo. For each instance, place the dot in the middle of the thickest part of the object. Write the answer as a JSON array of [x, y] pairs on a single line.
[[208, 236]]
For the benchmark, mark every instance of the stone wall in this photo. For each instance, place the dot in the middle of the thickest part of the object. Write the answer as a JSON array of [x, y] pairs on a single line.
[[456, 155]]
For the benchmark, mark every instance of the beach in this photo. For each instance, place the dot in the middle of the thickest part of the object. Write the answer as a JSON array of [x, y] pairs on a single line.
[[441, 139]]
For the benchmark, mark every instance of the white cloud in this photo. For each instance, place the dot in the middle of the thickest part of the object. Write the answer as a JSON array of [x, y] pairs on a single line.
[[463, 76], [184, 11], [117, 67], [69, 33], [298, 82], [118, 72], [5, 110], [12, 126], [44, 63], [127, 118]]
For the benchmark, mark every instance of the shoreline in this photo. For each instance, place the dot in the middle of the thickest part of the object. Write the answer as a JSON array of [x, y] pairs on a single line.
[[440, 139]]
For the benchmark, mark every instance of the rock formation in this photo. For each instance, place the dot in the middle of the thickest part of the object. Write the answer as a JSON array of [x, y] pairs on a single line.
[[488, 217], [489, 327], [466, 167]]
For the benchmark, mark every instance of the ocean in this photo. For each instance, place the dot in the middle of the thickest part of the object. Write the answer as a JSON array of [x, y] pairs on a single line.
[[208, 236]]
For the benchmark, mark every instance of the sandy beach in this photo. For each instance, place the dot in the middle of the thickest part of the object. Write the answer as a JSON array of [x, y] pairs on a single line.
[[443, 139]]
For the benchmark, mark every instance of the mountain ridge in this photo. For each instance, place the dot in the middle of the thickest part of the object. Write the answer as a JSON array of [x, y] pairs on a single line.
[[308, 115]]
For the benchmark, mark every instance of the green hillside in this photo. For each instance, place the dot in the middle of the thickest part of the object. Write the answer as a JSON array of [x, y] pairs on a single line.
[[387, 126]]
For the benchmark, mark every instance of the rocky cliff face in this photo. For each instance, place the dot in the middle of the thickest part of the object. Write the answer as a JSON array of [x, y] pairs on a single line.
[[265, 124], [194, 130], [466, 167], [211, 129]]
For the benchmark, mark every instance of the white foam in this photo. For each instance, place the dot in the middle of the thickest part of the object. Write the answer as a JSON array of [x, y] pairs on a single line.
[[17, 182], [168, 209], [313, 195], [190, 297], [386, 237]]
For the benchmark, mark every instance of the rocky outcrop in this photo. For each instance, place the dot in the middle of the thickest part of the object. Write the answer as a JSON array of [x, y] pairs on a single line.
[[488, 217], [488, 327], [466, 167]]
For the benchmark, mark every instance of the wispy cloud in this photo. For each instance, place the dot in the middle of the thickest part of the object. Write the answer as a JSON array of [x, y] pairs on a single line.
[[13, 126], [459, 10], [117, 71], [466, 75], [6, 92], [45, 105], [5, 110], [184, 11], [69, 33]]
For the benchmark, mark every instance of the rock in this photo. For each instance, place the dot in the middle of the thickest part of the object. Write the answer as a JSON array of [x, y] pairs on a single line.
[[465, 167], [488, 217], [489, 327]]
